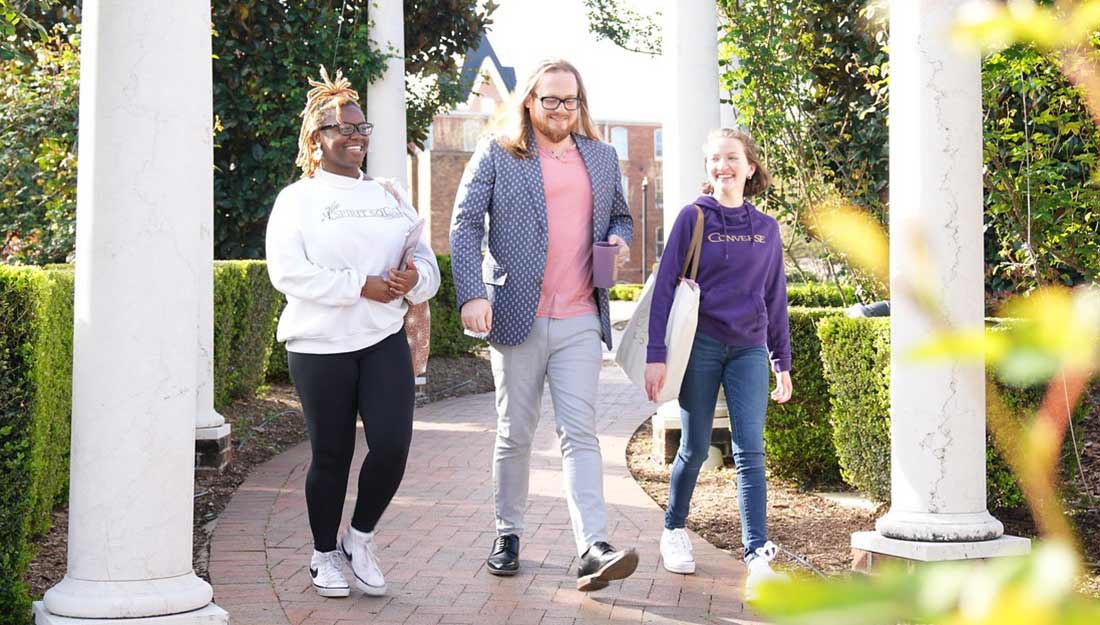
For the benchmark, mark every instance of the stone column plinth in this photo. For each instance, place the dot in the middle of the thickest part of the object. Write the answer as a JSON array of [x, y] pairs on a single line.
[[385, 105], [212, 434], [690, 51], [938, 490], [145, 139]]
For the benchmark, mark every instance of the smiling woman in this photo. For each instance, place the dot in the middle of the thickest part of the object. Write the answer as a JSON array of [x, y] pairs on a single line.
[[344, 250]]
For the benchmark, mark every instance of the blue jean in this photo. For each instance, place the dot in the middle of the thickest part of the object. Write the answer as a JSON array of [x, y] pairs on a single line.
[[744, 372]]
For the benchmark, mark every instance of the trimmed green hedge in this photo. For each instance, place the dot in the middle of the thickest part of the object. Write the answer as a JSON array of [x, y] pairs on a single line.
[[447, 337], [799, 435], [245, 313], [804, 294], [36, 355], [277, 370], [36, 322], [856, 358], [855, 355], [820, 294]]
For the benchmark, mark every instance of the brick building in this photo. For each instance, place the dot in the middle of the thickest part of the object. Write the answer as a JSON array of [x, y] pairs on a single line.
[[435, 172]]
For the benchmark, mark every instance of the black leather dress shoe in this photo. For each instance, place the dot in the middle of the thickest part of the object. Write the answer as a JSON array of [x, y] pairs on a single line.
[[601, 564], [504, 560]]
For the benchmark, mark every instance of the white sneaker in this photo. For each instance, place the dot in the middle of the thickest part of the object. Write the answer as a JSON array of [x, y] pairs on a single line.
[[676, 552], [358, 548], [328, 579], [760, 570]]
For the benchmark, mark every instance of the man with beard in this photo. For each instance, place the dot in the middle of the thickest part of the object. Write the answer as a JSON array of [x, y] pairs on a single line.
[[550, 189]]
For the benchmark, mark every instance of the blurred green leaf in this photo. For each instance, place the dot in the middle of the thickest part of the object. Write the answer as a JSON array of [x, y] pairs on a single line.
[[1031, 590], [994, 25]]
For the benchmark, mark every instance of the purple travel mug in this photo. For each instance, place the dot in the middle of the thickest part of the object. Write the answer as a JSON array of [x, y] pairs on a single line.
[[604, 268]]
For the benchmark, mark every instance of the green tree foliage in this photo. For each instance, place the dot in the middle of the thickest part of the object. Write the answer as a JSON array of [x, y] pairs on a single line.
[[810, 80], [38, 122], [15, 24], [263, 53], [807, 79], [1040, 152], [623, 26]]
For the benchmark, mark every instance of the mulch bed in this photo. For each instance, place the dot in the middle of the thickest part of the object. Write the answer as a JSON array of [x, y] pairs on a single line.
[[818, 530], [815, 529], [263, 427]]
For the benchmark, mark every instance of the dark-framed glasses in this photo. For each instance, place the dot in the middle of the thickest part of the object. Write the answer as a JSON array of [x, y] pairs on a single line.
[[349, 129], [551, 103]]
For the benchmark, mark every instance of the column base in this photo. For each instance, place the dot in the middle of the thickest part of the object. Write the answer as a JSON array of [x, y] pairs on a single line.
[[209, 419], [210, 615], [84, 599], [871, 549], [937, 527], [213, 449]]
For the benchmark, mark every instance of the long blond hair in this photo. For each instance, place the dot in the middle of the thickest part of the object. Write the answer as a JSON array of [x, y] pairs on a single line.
[[518, 137], [325, 94]]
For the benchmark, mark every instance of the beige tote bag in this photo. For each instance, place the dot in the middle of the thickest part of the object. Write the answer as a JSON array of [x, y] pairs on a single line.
[[680, 331]]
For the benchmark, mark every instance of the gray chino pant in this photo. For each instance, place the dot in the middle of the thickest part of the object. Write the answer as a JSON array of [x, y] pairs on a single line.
[[565, 352]]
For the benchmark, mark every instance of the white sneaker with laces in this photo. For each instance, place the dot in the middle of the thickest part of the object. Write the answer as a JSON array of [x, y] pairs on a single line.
[[358, 548], [328, 579], [760, 570], [676, 552]]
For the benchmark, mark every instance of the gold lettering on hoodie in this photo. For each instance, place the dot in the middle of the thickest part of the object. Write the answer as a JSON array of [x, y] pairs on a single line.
[[718, 237]]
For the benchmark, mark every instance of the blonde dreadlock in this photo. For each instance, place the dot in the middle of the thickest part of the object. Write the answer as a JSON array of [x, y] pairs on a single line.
[[324, 95]]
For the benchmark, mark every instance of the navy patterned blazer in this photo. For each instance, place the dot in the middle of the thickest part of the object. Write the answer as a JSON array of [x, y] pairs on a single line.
[[510, 191]]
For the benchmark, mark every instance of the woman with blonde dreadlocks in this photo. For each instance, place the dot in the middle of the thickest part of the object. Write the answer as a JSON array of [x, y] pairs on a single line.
[[336, 249]]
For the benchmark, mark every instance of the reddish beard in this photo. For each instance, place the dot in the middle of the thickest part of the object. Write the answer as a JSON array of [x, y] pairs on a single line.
[[555, 135]]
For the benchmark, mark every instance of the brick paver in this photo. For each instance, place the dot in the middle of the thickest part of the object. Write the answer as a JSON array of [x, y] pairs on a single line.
[[435, 536]]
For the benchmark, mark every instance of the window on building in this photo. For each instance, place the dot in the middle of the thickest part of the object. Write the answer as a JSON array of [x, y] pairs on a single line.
[[618, 139], [626, 188], [658, 144]]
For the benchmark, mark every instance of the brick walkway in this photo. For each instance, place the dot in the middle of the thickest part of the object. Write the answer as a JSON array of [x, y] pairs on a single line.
[[436, 534]]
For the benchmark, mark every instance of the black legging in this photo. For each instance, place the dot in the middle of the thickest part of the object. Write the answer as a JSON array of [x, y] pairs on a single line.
[[377, 383]]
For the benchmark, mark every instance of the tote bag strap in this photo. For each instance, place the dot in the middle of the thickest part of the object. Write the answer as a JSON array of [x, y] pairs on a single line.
[[695, 249]]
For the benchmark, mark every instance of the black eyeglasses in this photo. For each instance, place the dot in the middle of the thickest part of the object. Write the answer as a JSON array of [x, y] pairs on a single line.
[[349, 129], [552, 103]]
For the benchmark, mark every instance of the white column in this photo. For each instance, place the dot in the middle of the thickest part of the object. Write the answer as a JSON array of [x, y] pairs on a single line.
[[145, 137], [690, 50], [937, 409], [386, 96], [209, 424]]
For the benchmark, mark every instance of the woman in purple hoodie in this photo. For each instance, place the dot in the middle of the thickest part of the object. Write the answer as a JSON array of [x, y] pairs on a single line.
[[742, 336]]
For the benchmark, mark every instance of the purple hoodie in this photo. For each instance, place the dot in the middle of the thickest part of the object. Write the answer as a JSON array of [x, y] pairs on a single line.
[[743, 287]]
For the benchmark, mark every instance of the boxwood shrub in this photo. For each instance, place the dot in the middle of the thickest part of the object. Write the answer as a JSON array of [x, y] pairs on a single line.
[[820, 294], [245, 312], [36, 355], [799, 435], [856, 358], [36, 324]]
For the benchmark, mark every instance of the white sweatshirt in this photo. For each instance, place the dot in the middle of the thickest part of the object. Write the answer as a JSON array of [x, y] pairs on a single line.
[[326, 234]]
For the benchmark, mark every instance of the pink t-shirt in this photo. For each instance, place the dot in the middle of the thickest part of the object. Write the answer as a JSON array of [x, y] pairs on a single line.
[[567, 284]]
